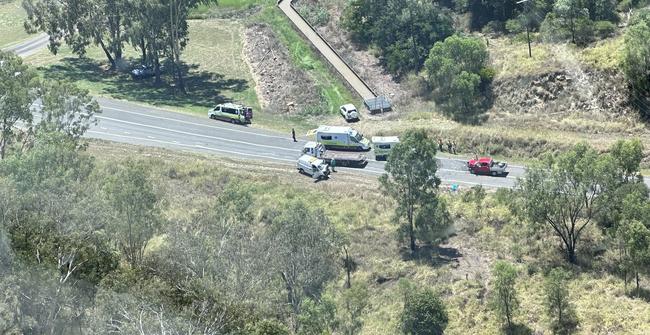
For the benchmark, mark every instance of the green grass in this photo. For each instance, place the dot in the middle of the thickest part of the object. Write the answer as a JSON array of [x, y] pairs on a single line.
[[332, 90], [224, 7], [604, 55], [217, 74], [12, 16]]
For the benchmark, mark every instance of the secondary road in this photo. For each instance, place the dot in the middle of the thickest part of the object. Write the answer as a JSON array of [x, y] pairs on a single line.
[[326, 50]]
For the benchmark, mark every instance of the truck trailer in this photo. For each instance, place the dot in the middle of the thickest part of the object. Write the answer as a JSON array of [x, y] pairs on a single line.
[[343, 158]]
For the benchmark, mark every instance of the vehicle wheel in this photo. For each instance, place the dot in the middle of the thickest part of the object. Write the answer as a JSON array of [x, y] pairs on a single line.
[[233, 121], [494, 173]]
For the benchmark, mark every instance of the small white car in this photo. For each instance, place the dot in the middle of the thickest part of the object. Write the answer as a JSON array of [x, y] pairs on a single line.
[[349, 112]]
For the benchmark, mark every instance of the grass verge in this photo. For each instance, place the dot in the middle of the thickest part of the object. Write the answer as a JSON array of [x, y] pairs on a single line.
[[331, 88], [12, 16]]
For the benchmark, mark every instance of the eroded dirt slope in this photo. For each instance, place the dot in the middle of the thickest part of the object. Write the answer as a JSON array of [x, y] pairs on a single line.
[[280, 85]]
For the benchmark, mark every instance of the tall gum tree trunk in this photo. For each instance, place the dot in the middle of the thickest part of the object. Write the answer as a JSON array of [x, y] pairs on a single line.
[[108, 53]]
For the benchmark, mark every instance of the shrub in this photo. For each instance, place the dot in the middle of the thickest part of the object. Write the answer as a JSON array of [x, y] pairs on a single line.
[[604, 29], [424, 313], [584, 31], [514, 26]]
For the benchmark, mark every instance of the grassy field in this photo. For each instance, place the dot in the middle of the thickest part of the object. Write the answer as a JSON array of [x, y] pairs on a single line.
[[12, 16], [510, 57], [458, 269], [218, 72]]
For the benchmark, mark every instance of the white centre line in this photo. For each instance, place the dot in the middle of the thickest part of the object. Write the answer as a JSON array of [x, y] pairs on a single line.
[[191, 146], [196, 124], [197, 135]]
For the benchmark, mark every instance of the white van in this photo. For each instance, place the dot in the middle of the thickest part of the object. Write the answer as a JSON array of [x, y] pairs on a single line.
[[383, 145], [344, 138], [315, 167], [232, 113]]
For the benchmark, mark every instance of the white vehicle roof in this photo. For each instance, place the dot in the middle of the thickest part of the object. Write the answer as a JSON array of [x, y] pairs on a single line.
[[385, 139], [334, 130], [311, 160], [312, 144], [348, 107], [231, 105]]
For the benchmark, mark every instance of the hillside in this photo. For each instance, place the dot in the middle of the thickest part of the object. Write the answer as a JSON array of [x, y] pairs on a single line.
[[560, 96]]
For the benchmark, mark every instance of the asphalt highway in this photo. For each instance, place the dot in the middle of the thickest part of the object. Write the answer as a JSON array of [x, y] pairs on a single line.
[[131, 123]]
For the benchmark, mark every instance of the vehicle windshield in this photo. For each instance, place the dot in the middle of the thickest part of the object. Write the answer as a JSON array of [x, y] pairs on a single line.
[[357, 136]]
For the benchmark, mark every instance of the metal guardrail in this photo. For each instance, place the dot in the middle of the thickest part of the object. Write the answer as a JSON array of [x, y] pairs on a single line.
[[331, 48]]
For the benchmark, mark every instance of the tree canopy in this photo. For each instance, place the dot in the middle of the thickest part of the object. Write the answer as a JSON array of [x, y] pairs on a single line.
[[457, 70], [403, 30], [636, 61], [411, 180], [568, 191]]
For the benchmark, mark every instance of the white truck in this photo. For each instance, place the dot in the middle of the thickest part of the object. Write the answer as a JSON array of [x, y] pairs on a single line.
[[343, 158], [342, 138], [349, 112], [315, 167], [383, 145]]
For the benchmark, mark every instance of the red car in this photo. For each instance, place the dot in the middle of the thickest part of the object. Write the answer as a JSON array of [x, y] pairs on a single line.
[[487, 166]]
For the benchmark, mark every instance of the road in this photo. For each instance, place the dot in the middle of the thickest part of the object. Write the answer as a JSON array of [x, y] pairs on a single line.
[[327, 51], [29, 47], [131, 123]]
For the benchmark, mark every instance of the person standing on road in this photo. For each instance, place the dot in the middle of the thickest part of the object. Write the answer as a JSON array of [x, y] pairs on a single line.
[[293, 134], [449, 146], [440, 144], [333, 164], [453, 146]]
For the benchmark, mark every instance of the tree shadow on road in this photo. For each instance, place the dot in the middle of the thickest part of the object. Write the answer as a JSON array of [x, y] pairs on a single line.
[[204, 89]]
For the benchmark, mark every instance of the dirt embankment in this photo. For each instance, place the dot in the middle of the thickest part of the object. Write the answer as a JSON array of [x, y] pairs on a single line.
[[281, 86], [600, 95]]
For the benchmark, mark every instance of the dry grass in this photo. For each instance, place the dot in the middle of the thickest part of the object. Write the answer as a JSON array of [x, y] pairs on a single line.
[[510, 58], [356, 207]]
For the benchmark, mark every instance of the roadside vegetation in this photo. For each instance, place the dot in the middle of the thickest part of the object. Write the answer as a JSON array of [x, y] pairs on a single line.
[[200, 254], [210, 63], [186, 242], [11, 23]]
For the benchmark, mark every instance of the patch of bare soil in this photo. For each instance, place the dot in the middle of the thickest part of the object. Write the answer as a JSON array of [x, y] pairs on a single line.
[[469, 262], [363, 62], [281, 87], [593, 93]]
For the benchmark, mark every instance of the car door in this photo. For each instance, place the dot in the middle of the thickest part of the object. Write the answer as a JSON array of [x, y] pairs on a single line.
[[484, 168]]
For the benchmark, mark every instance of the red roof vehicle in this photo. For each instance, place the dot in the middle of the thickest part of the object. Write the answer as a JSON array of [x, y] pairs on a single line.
[[487, 166]]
